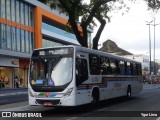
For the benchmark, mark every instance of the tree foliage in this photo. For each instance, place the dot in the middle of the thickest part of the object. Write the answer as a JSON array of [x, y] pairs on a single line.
[[153, 4]]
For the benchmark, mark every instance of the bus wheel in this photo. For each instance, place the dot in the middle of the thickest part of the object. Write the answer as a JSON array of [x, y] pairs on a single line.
[[129, 94], [95, 96]]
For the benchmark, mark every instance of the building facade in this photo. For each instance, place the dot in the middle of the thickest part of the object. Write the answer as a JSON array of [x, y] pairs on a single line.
[[143, 59], [24, 26]]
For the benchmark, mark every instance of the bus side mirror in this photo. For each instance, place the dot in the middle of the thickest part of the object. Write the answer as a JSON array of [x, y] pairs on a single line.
[[81, 71]]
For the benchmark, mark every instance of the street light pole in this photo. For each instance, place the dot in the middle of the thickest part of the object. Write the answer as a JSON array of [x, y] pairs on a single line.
[[149, 23], [154, 45]]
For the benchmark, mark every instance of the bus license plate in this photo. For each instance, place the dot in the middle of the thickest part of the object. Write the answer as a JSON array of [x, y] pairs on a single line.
[[47, 104]]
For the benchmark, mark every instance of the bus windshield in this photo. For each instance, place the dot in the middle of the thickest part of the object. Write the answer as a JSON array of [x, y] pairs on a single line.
[[51, 70]]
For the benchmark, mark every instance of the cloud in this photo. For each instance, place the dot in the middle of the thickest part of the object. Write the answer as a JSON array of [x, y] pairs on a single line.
[[130, 31]]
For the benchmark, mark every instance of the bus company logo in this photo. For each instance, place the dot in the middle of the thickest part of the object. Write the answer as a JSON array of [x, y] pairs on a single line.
[[6, 114], [47, 94]]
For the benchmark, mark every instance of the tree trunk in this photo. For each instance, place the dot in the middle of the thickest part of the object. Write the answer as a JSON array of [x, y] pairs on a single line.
[[97, 37], [85, 35]]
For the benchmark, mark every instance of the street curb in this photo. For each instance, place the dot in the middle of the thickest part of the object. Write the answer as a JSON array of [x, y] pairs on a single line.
[[15, 93]]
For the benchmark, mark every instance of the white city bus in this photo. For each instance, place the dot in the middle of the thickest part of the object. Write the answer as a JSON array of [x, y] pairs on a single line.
[[74, 75]]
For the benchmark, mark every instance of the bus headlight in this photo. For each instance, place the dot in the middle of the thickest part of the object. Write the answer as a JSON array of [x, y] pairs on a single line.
[[69, 91]]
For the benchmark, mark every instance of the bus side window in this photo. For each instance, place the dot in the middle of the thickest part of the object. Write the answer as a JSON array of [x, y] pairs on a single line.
[[104, 61], [134, 69], [122, 67], [94, 64], [139, 71], [131, 68], [81, 71], [128, 69], [117, 67], [113, 66]]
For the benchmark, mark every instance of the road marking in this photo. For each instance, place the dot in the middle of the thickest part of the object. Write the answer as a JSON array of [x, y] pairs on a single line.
[[72, 118], [158, 118]]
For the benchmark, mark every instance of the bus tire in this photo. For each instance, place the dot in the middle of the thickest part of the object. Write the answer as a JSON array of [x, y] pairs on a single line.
[[129, 93], [95, 96]]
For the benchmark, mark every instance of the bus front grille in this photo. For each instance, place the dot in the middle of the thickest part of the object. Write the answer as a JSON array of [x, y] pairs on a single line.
[[54, 102]]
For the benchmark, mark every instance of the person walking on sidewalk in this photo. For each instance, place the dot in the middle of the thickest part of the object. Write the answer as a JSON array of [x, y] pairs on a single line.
[[17, 81]]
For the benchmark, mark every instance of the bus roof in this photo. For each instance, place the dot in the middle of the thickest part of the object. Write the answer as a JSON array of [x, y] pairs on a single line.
[[87, 50]]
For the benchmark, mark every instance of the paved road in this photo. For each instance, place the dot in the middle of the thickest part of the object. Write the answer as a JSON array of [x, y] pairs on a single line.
[[146, 102]]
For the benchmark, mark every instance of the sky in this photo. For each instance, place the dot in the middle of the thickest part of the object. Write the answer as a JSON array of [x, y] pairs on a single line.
[[130, 32]]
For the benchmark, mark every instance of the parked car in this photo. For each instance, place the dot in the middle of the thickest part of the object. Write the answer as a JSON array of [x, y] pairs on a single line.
[[156, 79]]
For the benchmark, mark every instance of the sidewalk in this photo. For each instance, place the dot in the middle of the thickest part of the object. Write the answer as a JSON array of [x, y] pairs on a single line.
[[150, 86], [13, 91]]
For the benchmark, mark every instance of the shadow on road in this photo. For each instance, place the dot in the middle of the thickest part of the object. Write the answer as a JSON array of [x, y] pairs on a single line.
[[84, 109]]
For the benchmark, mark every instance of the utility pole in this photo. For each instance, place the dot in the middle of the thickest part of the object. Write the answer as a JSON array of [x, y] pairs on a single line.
[[149, 23], [154, 46]]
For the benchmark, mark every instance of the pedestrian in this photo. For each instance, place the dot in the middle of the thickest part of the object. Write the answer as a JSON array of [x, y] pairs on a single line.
[[17, 82], [2, 82]]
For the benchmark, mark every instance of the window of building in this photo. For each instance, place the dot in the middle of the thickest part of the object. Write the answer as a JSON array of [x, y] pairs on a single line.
[[27, 41], [8, 6], [17, 11], [94, 64], [26, 15], [9, 37], [51, 43], [3, 10], [6, 77], [32, 42], [13, 34], [18, 39], [4, 37], [0, 36], [22, 41], [31, 16], [13, 10], [13, 38], [22, 12]]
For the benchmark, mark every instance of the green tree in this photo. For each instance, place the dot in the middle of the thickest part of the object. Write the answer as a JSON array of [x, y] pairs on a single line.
[[88, 12], [153, 4], [76, 9]]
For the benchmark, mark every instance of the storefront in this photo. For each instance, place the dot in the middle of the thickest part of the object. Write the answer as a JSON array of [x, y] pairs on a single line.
[[13, 72]]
